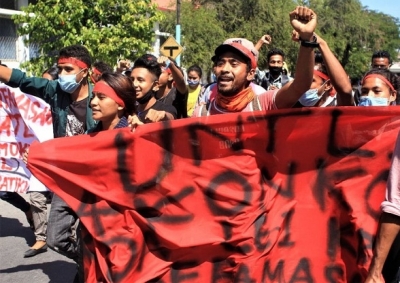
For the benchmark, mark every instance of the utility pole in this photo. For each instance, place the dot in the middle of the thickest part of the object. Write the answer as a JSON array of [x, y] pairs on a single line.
[[178, 28]]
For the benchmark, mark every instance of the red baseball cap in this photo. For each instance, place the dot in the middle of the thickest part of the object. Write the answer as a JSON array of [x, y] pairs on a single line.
[[244, 46]]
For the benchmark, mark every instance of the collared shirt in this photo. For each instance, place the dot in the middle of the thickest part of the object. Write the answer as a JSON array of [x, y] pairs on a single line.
[[265, 79]]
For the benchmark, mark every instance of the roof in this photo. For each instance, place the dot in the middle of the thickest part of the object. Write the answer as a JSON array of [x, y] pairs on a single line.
[[166, 5]]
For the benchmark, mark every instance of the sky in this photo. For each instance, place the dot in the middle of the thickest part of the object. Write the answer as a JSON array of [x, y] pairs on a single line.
[[390, 7]]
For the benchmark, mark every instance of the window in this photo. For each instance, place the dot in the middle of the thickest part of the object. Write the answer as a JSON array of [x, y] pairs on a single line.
[[8, 4], [8, 39]]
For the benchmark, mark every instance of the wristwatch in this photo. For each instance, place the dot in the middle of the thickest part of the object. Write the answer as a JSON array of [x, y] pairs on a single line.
[[312, 43]]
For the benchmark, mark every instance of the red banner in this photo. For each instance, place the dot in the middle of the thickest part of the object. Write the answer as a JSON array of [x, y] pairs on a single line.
[[287, 196]]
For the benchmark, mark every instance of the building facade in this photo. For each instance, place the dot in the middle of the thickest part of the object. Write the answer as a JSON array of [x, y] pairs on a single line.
[[13, 50]]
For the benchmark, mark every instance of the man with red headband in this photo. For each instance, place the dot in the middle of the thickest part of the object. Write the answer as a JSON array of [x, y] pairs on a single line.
[[69, 100], [235, 65], [98, 68], [331, 85]]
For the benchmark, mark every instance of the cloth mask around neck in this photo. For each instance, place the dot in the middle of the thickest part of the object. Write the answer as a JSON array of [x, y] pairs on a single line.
[[145, 98], [68, 82], [235, 103]]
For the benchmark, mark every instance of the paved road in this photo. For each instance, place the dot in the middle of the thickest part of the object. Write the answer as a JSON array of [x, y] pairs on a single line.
[[15, 238]]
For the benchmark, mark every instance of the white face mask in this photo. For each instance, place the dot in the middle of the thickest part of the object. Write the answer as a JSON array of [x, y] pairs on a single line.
[[373, 101]]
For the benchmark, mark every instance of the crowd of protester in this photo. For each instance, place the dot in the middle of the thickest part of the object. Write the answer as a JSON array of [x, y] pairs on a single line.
[[86, 97]]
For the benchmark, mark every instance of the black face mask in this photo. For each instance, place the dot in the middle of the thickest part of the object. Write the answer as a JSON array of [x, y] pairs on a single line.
[[275, 70], [145, 98]]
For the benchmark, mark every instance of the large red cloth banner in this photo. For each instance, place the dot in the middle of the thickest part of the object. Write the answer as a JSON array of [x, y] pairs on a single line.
[[287, 196]]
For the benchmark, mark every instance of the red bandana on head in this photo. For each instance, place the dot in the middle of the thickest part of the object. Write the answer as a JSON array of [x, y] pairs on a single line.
[[105, 89], [73, 61], [385, 80]]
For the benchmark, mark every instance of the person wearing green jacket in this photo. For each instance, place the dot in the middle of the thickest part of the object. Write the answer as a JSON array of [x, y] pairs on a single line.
[[69, 99]]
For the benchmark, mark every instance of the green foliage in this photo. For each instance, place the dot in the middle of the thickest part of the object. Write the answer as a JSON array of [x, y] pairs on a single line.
[[201, 34], [110, 29], [121, 28], [352, 31]]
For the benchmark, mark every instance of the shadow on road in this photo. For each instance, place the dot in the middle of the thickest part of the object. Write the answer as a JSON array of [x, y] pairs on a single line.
[[58, 271], [11, 227]]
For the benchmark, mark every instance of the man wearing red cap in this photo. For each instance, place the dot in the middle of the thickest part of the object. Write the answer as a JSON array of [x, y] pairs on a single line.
[[235, 65], [69, 99]]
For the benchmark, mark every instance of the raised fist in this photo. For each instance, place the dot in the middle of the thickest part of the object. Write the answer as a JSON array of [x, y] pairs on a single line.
[[304, 21]]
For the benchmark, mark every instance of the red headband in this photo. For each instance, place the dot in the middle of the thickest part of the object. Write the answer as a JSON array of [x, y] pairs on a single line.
[[97, 72], [321, 75], [105, 89], [168, 70], [385, 80], [73, 61]]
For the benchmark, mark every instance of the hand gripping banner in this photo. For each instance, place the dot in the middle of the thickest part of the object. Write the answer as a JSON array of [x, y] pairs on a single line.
[[286, 196]]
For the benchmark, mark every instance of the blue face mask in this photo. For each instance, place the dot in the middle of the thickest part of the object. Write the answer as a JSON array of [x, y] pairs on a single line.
[[373, 101], [68, 82], [310, 97], [193, 83]]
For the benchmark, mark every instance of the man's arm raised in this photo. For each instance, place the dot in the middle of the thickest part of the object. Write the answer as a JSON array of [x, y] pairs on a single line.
[[304, 22]]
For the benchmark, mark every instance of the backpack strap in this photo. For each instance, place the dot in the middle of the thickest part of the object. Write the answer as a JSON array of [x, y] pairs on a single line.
[[204, 109], [265, 83], [284, 80], [256, 103]]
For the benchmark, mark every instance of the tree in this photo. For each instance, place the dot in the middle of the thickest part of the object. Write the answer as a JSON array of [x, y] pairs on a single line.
[[383, 32], [110, 29], [352, 31], [201, 34]]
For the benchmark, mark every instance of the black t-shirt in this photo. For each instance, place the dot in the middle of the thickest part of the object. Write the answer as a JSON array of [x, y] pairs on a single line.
[[178, 100], [159, 106], [76, 118]]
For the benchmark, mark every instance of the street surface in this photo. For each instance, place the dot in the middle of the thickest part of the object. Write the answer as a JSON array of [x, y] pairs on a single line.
[[15, 238]]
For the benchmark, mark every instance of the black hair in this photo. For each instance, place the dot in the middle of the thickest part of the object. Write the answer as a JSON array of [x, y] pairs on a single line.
[[150, 63], [122, 85], [275, 51], [1, 64], [52, 71], [381, 54], [76, 51], [318, 58], [196, 69], [392, 78], [320, 64], [103, 67]]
